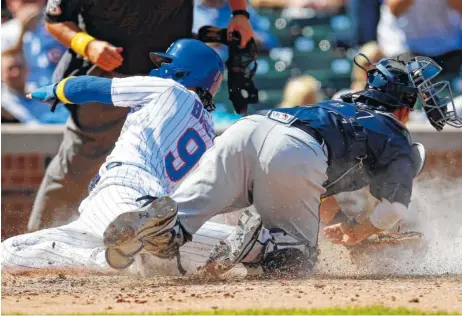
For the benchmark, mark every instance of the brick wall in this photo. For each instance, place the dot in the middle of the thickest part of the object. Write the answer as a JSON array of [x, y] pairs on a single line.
[[22, 174], [21, 177]]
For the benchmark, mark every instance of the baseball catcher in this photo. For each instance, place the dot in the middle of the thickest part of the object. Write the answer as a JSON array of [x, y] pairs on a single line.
[[284, 161]]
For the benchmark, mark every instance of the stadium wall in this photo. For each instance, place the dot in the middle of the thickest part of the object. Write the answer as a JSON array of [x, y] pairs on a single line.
[[26, 152]]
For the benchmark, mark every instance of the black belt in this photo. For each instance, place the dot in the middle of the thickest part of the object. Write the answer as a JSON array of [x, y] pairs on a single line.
[[300, 125]]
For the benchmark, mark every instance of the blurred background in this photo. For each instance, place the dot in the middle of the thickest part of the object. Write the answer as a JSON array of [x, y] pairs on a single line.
[[306, 50]]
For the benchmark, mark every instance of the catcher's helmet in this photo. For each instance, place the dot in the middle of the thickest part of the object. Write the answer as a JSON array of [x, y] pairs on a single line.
[[436, 96], [191, 63], [389, 86]]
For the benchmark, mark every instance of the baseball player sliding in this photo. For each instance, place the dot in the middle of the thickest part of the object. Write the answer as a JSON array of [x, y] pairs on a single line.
[[283, 161], [163, 138]]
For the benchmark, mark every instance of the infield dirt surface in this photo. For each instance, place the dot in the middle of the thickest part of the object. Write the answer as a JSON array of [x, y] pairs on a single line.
[[337, 283], [40, 293], [429, 281]]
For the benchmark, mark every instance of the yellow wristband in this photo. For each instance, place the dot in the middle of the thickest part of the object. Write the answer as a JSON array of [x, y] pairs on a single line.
[[80, 42], [60, 91]]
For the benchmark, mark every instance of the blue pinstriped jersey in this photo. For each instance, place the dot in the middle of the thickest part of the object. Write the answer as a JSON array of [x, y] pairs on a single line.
[[166, 131]]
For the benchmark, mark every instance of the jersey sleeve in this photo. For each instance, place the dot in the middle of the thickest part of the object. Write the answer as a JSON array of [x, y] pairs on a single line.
[[63, 11], [138, 91], [394, 174]]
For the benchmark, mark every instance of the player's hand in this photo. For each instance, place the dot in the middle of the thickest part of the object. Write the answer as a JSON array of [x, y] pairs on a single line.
[[44, 94], [104, 55], [348, 234], [241, 24], [47, 95]]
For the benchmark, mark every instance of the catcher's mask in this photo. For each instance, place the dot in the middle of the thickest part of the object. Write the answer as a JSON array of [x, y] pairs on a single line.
[[388, 87], [436, 97], [193, 64]]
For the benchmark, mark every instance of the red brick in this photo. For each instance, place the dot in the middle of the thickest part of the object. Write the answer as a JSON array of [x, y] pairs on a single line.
[[34, 162], [20, 162], [7, 162], [17, 178], [35, 179]]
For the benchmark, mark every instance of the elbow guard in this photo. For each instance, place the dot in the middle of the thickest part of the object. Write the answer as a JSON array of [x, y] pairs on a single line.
[[386, 214]]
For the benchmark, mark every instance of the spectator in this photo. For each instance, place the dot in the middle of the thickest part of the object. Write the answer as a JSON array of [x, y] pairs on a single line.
[[364, 15], [217, 13], [118, 36], [15, 106], [358, 76], [42, 51], [300, 91], [423, 27], [6, 15]]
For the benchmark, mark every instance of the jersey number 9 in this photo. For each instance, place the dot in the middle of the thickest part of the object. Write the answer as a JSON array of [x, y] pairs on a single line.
[[189, 159]]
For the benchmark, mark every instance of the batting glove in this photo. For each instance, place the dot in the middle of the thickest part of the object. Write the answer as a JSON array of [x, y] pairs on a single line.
[[44, 94], [47, 94]]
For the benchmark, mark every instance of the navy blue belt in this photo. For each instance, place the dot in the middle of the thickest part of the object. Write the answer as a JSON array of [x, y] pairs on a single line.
[[113, 165], [96, 178]]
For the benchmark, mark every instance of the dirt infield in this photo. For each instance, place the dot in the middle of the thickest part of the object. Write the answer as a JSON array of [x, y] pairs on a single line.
[[72, 293], [429, 279], [335, 283]]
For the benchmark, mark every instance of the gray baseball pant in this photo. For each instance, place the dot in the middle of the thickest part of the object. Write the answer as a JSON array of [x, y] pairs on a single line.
[[278, 169]]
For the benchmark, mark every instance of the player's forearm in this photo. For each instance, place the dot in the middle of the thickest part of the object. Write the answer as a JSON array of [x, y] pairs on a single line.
[[238, 5], [64, 32], [386, 214], [399, 7], [84, 89]]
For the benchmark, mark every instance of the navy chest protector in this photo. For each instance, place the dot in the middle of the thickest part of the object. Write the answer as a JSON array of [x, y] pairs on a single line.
[[337, 123], [346, 139]]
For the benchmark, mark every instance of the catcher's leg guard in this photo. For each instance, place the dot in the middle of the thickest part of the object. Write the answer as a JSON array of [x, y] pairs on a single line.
[[154, 225], [237, 246], [271, 252]]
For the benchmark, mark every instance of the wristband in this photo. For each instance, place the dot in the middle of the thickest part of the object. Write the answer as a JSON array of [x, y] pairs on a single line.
[[59, 91], [80, 42], [241, 12]]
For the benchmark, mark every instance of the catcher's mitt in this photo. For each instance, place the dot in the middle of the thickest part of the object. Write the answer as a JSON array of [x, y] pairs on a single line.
[[384, 242], [241, 66]]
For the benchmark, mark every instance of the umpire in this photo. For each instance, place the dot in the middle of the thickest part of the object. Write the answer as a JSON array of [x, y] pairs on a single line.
[[116, 36]]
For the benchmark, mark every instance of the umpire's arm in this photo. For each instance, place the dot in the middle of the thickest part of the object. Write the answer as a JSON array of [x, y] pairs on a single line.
[[61, 23]]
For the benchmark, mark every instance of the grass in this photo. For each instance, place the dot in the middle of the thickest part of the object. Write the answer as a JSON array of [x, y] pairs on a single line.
[[372, 310]]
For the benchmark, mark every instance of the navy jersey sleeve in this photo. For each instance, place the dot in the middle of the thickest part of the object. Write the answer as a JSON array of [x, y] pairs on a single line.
[[395, 173], [63, 11]]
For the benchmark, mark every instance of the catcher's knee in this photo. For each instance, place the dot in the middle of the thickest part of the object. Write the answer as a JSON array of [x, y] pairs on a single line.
[[283, 255]]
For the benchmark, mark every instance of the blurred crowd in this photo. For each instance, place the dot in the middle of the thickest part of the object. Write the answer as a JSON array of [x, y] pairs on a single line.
[[306, 48]]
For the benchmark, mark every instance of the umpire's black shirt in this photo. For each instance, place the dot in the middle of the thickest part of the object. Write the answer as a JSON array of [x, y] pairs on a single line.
[[138, 26]]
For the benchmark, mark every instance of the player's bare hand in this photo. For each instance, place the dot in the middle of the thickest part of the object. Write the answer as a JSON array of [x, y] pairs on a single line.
[[104, 55], [241, 24]]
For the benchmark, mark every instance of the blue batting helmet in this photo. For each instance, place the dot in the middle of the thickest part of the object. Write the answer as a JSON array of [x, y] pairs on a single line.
[[191, 63]]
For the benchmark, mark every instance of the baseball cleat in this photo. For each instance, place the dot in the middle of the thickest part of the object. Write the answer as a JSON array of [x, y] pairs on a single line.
[[132, 226], [224, 256], [124, 237]]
